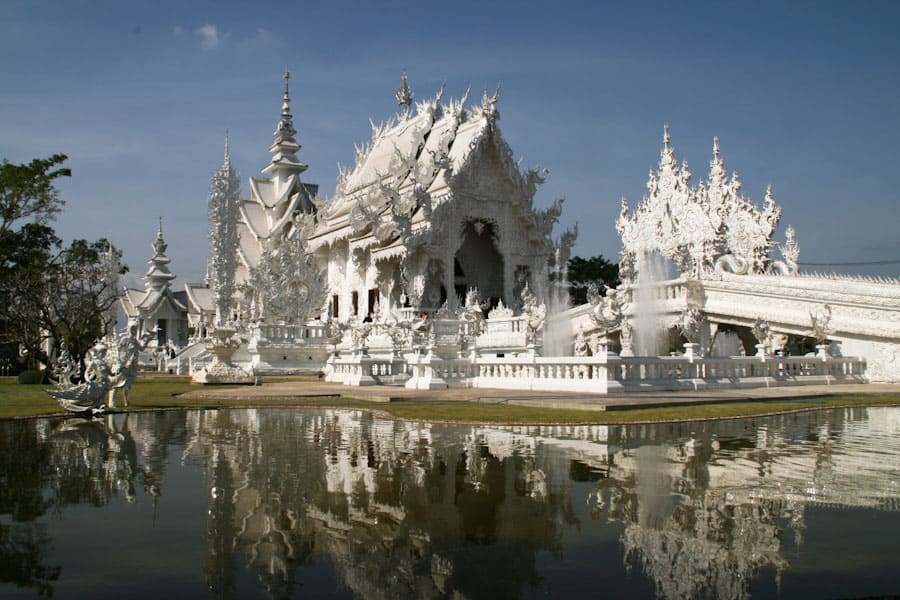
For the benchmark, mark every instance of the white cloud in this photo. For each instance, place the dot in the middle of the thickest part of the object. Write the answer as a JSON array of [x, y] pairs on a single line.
[[264, 36], [210, 38]]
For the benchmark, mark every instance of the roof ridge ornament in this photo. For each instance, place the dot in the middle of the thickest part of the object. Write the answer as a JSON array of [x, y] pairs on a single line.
[[489, 106], [404, 95]]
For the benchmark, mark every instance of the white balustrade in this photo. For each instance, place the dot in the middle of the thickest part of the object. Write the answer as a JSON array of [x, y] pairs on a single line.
[[598, 374], [274, 333]]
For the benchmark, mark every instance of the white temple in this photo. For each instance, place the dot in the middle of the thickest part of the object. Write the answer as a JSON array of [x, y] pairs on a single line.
[[431, 267], [157, 308]]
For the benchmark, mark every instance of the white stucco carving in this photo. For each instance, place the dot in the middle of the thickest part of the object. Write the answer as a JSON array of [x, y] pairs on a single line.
[[710, 225]]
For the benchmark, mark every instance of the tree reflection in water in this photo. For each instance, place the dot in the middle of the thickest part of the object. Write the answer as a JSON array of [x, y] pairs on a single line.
[[393, 509]]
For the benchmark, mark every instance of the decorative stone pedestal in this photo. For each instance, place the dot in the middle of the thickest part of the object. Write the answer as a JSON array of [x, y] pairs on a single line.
[[761, 351], [691, 351], [822, 351], [220, 370]]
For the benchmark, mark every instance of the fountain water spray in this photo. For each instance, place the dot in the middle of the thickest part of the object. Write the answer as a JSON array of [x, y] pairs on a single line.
[[558, 333], [651, 270]]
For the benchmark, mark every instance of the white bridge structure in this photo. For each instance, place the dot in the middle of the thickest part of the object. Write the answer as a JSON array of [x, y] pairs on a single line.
[[367, 288]]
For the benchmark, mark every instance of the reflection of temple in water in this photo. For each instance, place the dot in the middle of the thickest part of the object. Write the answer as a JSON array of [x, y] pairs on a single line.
[[404, 509], [399, 509], [394, 505]]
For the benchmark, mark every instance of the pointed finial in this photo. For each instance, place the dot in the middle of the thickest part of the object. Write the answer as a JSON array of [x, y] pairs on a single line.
[[159, 244], [227, 161], [716, 147], [667, 139], [404, 95], [285, 123]]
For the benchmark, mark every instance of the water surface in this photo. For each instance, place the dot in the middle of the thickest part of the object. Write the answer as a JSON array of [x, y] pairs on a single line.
[[342, 504]]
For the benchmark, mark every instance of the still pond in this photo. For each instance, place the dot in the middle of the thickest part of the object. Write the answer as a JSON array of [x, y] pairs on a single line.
[[344, 504]]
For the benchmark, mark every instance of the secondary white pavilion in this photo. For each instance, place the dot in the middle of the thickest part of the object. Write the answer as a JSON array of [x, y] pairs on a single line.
[[157, 306]]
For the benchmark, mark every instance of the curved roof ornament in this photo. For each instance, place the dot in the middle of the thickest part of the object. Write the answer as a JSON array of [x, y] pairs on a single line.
[[404, 95], [489, 106]]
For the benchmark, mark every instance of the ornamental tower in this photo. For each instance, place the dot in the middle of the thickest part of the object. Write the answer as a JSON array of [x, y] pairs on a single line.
[[158, 278], [224, 213]]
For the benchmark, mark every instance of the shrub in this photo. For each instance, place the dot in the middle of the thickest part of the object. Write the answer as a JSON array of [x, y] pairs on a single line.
[[32, 377]]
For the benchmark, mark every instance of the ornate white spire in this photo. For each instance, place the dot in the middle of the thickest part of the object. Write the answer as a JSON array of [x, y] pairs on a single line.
[[159, 276], [717, 172], [284, 149], [224, 214], [668, 166]]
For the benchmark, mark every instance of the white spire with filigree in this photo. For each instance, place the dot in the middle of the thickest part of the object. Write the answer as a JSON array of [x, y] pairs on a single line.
[[699, 227], [224, 213]]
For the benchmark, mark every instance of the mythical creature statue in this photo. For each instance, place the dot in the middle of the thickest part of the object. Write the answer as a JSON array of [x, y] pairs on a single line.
[[606, 312], [581, 345], [128, 347], [472, 313], [691, 324], [473, 310], [90, 396], [535, 314], [360, 334], [790, 252], [66, 369], [730, 263], [821, 325], [761, 330]]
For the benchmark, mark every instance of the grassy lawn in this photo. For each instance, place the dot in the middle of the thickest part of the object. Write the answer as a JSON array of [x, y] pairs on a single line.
[[30, 400]]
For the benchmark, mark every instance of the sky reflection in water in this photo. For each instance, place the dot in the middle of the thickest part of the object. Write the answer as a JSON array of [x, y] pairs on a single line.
[[281, 503]]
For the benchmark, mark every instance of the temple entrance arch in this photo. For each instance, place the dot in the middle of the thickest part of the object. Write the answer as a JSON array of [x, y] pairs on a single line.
[[478, 261]]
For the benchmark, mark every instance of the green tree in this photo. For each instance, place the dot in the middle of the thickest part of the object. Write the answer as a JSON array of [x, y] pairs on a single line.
[[27, 191], [584, 271], [48, 291]]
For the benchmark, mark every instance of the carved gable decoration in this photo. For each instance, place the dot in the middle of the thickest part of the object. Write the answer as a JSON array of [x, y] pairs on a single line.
[[699, 227]]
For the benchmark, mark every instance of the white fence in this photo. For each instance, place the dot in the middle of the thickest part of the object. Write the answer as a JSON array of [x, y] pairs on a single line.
[[290, 334], [595, 374]]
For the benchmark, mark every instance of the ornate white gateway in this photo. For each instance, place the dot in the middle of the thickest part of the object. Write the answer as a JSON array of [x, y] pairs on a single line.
[[720, 242]]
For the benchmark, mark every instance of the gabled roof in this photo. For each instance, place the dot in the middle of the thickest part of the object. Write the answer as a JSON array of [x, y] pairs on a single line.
[[145, 303], [422, 151], [130, 299], [199, 297]]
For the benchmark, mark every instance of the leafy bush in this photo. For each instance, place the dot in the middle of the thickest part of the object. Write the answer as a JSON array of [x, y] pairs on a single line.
[[32, 377]]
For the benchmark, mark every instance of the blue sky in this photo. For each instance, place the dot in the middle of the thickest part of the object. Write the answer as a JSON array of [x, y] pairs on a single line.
[[803, 95]]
